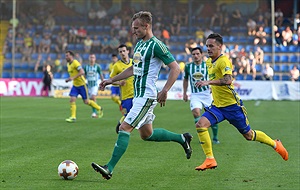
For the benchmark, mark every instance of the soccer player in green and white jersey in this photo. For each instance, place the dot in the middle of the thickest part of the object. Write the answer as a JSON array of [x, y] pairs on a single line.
[[149, 55], [92, 74], [200, 97]]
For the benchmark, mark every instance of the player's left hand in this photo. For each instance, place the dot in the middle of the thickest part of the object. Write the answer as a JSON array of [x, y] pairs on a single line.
[[162, 98]]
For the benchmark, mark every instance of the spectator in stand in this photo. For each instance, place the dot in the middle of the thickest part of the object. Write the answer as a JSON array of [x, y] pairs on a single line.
[[81, 34], [268, 72], [260, 36], [61, 43], [47, 80], [115, 25], [243, 65], [175, 25], [236, 18], [242, 53], [114, 44], [226, 26], [37, 43], [278, 36], [259, 55], [199, 34], [123, 35], [260, 21], [252, 63], [165, 35], [225, 51], [294, 73], [46, 44], [234, 54], [278, 17], [39, 65], [101, 14], [287, 36], [28, 40], [207, 32], [62, 30], [88, 42], [217, 16], [72, 34], [296, 37], [157, 31], [58, 64], [26, 52], [50, 21], [92, 17], [96, 45], [105, 46], [19, 42], [8, 43], [251, 25], [78, 58], [30, 29], [47, 31], [189, 45]]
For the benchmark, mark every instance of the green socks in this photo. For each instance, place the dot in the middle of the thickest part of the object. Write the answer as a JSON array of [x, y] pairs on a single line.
[[163, 135]]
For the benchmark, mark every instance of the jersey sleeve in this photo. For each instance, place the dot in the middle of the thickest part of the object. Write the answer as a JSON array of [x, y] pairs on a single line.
[[162, 52], [99, 69], [77, 65], [226, 67], [186, 71], [114, 70]]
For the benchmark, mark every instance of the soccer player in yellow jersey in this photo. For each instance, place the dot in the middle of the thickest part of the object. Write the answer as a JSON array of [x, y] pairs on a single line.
[[126, 85], [76, 73], [227, 105], [115, 89]]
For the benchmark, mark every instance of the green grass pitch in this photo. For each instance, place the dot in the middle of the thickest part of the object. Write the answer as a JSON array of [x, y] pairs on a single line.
[[35, 138]]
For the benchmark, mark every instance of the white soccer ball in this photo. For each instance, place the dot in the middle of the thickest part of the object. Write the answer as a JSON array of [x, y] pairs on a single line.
[[67, 170]]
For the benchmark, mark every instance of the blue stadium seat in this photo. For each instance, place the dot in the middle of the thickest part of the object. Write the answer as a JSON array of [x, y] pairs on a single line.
[[24, 66], [267, 58], [277, 58], [79, 47], [285, 77], [34, 56], [106, 76], [284, 68], [293, 48], [65, 75], [85, 56], [99, 28], [8, 55], [71, 47], [104, 66], [6, 74], [276, 68], [284, 49], [258, 67], [53, 56], [258, 77], [104, 57], [31, 75], [225, 39], [180, 57], [249, 77], [180, 76], [233, 39], [277, 49], [276, 77], [39, 75], [90, 28], [18, 55], [17, 66], [16, 75], [268, 30], [267, 49], [57, 75], [162, 76], [239, 77], [294, 59], [284, 58], [22, 75], [249, 48], [7, 65], [173, 39]]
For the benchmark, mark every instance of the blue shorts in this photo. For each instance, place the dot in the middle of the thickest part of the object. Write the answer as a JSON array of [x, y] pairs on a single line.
[[115, 90], [127, 104], [235, 114], [82, 90]]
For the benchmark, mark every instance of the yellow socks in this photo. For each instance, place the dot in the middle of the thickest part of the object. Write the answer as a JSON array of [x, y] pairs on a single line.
[[116, 99], [205, 142], [73, 109], [263, 138], [94, 105]]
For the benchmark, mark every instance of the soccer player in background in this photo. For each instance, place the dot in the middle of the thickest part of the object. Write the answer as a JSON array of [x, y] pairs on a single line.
[[115, 89], [76, 73], [200, 97], [92, 73], [149, 55], [227, 105], [126, 85]]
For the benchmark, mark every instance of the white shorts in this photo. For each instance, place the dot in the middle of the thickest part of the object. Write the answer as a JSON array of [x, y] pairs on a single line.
[[93, 91], [141, 112], [200, 100]]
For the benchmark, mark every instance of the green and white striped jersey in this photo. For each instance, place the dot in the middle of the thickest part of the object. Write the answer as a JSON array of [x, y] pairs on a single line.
[[148, 58], [194, 73], [92, 74]]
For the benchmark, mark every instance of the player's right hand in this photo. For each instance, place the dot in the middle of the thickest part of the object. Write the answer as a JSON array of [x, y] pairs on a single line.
[[104, 83]]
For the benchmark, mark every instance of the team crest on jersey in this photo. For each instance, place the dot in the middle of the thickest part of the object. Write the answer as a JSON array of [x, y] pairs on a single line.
[[227, 68], [137, 58], [197, 76]]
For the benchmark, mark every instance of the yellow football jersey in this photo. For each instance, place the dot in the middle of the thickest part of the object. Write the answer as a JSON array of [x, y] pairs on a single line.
[[222, 95], [127, 89], [73, 69]]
